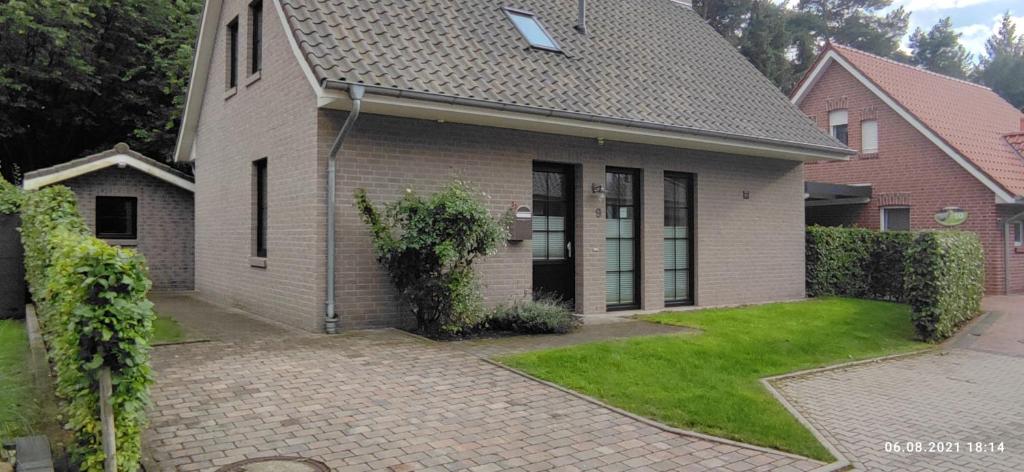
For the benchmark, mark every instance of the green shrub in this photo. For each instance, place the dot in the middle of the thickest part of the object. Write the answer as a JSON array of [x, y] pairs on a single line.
[[91, 301], [939, 273], [544, 315], [428, 245], [10, 197], [945, 280]]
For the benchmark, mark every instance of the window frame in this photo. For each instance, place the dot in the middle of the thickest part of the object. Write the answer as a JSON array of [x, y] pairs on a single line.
[[884, 220], [1018, 233], [845, 125], [691, 207], [638, 208], [864, 135], [255, 42], [133, 218], [231, 74], [511, 12], [260, 207]]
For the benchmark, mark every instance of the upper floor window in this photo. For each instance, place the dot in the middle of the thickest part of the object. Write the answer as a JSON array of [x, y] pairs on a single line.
[[531, 29], [117, 217], [255, 36], [869, 136], [838, 124], [232, 49]]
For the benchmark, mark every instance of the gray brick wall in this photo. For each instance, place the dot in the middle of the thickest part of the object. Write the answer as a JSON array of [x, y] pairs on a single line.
[[747, 250], [165, 220], [274, 117]]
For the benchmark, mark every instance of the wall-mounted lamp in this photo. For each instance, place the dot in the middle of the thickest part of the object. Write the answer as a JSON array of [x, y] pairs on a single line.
[[598, 188]]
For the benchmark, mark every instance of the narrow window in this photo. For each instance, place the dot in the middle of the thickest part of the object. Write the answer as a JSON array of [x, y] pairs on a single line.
[[255, 36], [116, 217], [869, 137], [550, 197], [896, 219], [838, 125], [678, 239], [622, 236], [260, 207], [532, 30], [232, 47], [1018, 233]]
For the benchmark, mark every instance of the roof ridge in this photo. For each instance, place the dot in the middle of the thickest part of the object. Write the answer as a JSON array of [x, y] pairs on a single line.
[[909, 66]]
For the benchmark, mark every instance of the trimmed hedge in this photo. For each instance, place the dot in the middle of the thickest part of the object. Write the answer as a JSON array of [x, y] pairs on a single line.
[[940, 274], [10, 197], [91, 301]]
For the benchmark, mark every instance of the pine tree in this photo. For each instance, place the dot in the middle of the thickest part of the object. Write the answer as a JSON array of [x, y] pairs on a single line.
[[1002, 69], [939, 50]]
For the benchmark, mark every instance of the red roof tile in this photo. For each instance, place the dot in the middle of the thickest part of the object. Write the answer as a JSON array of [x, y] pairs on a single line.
[[970, 118], [1017, 141]]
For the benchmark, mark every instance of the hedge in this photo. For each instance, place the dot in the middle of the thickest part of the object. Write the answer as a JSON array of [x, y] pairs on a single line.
[[940, 274], [10, 197], [91, 302]]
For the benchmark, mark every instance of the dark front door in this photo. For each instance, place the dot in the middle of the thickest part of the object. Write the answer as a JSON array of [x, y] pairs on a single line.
[[553, 251]]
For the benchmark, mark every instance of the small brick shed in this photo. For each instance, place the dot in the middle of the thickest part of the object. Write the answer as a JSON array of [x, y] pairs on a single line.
[[130, 200]]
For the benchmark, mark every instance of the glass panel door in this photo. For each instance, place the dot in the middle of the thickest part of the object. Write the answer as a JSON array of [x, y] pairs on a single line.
[[622, 231], [678, 244], [553, 264]]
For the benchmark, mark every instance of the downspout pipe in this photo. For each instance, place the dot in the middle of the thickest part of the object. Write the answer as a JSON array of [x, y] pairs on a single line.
[[355, 92]]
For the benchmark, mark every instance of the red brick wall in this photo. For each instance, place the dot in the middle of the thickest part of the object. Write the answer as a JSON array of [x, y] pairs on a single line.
[[908, 168]]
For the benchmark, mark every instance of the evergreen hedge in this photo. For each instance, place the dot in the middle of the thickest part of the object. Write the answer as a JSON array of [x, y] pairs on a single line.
[[10, 197], [91, 302], [940, 274]]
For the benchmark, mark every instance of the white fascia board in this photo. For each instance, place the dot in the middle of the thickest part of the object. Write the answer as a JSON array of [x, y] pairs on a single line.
[[205, 45], [35, 183], [446, 112], [1002, 196]]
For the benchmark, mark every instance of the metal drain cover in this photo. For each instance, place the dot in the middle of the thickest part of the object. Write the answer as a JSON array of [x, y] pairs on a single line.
[[276, 464]]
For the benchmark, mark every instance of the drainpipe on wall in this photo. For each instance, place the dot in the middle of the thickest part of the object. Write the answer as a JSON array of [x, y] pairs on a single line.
[[330, 315]]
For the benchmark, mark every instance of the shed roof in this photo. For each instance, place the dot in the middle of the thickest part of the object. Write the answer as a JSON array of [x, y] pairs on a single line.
[[120, 155]]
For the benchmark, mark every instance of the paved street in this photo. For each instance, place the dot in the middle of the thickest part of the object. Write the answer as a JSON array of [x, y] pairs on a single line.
[[383, 400], [972, 392]]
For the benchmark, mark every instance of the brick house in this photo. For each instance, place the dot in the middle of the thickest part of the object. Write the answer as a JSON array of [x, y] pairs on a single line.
[[655, 159], [932, 149], [130, 200]]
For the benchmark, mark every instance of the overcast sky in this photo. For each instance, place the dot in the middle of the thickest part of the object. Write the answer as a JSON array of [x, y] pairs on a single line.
[[976, 19]]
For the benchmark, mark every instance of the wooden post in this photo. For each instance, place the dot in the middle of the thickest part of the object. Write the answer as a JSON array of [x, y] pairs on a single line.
[[107, 417]]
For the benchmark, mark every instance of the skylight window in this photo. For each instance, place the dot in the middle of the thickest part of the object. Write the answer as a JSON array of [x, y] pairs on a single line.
[[531, 29]]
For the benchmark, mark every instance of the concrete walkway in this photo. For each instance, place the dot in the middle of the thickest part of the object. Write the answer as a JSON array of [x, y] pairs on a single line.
[[384, 400], [948, 403]]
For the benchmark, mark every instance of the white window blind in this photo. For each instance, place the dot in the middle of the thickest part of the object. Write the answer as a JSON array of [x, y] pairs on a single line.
[[869, 136], [838, 117]]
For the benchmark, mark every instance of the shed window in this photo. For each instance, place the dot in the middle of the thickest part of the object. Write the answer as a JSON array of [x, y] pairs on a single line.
[[869, 136], [260, 207], [531, 29], [838, 123], [232, 47], [896, 219], [116, 217], [1018, 233], [255, 36]]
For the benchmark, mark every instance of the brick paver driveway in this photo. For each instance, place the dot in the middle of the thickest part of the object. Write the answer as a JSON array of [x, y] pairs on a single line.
[[972, 392], [382, 400]]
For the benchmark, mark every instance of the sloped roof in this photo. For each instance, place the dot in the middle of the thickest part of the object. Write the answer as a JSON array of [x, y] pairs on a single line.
[[1016, 140], [970, 118], [119, 155], [644, 61]]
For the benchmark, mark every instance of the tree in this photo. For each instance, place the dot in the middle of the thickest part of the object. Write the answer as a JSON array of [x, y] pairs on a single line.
[[1002, 69], [859, 24], [77, 77], [765, 41], [728, 17], [939, 50]]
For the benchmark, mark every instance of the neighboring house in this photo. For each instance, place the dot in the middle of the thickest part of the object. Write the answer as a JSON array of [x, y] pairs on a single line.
[[661, 167], [130, 200], [932, 150]]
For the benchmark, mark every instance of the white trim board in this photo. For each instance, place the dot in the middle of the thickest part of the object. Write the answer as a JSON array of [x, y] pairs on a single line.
[[120, 160], [1002, 196]]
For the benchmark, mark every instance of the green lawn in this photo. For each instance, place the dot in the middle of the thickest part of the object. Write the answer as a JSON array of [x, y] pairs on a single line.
[[167, 330], [709, 382], [18, 407]]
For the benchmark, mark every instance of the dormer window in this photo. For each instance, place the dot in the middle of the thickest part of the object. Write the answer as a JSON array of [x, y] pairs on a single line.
[[531, 29], [838, 124]]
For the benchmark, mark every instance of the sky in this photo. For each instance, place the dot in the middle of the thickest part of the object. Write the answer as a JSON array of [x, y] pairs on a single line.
[[975, 19]]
